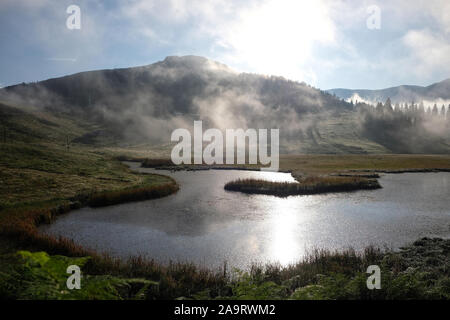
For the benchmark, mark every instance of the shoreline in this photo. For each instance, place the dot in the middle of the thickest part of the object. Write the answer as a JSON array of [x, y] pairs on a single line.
[[21, 223], [321, 275]]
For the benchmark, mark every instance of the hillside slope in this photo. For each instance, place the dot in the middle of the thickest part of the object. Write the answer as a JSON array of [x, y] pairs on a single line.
[[140, 107], [144, 105]]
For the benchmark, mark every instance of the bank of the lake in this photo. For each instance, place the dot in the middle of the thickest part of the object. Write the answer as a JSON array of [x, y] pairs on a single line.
[[417, 271]]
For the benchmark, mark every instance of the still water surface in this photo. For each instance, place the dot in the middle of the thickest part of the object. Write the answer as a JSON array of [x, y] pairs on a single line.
[[205, 224]]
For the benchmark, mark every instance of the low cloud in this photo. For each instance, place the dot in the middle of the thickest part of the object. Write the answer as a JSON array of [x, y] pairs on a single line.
[[429, 52]]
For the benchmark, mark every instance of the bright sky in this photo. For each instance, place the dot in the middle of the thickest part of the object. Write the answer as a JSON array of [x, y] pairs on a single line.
[[326, 43]]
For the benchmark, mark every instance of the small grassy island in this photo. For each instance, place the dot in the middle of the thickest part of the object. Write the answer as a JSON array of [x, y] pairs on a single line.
[[305, 186]]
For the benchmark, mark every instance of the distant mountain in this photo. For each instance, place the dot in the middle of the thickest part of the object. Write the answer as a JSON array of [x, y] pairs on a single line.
[[435, 93], [170, 87]]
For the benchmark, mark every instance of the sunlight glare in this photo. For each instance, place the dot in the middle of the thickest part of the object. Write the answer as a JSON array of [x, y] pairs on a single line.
[[284, 247], [278, 36]]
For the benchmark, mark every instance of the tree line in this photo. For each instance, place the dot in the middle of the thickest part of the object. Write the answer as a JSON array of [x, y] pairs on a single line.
[[406, 128]]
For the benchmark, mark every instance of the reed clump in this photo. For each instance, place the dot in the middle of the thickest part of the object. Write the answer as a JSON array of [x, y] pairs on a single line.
[[305, 186]]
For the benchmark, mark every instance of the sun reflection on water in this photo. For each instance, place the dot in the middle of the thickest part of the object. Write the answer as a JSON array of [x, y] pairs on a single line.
[[284, 245]]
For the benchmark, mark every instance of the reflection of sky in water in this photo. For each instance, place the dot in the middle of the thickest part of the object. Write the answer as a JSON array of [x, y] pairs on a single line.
[[208, 225]]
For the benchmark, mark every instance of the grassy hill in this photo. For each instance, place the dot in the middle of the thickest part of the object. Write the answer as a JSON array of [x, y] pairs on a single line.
[[337, 134], [40, 162], [143, 105]]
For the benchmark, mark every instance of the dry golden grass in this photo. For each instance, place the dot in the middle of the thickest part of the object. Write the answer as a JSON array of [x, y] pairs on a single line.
[[327, 164]]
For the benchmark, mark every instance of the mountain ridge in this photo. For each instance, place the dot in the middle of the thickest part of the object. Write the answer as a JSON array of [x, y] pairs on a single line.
[[131, 106], [438, 91]]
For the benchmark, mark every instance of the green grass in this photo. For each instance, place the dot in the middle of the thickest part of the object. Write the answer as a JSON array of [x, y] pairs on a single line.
[[335, 134], [36, 173], [37, 275]]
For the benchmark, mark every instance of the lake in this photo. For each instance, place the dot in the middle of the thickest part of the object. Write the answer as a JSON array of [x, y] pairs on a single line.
[[204, 224]]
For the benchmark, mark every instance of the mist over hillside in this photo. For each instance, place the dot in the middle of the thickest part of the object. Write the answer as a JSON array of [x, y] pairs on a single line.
[[148, 103], [145, 104]]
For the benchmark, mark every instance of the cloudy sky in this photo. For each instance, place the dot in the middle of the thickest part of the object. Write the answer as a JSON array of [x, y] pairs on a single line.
[[327, 43]]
